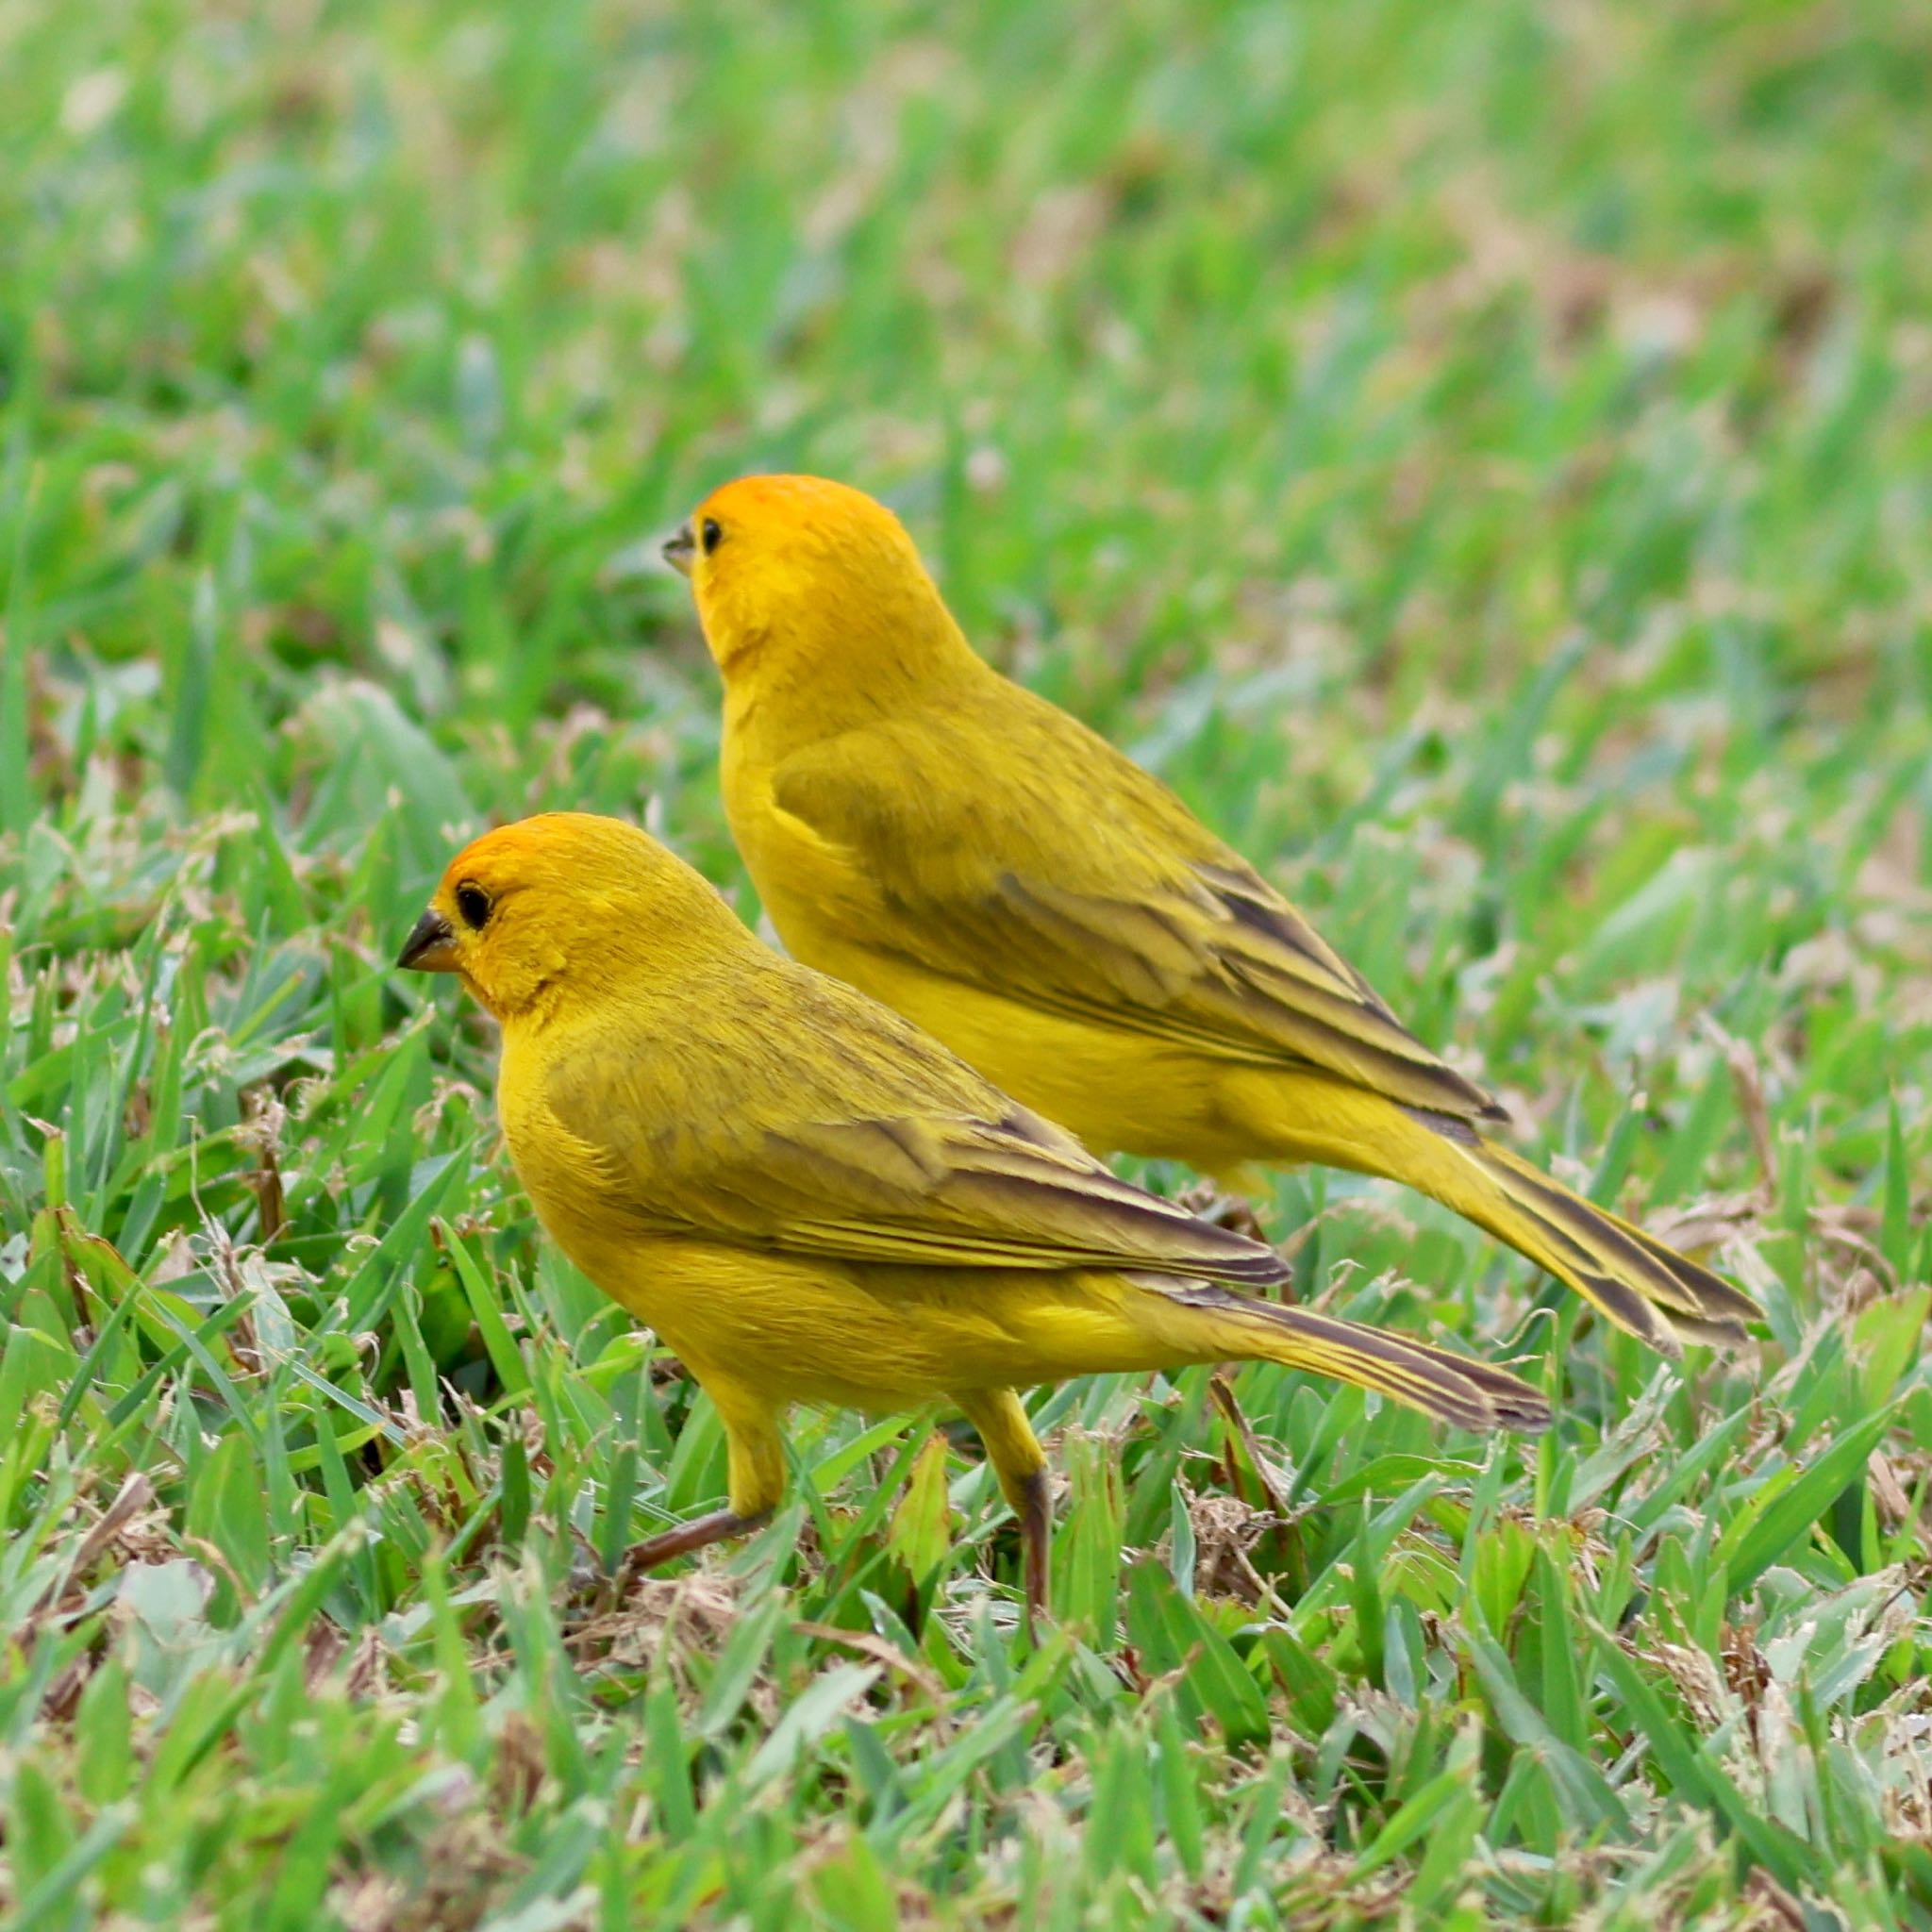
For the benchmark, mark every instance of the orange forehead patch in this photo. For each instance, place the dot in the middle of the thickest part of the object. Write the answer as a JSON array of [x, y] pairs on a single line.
[[550, 839], [799, 500]]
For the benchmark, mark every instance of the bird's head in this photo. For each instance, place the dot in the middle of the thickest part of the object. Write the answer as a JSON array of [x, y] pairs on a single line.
[[801, 581], [565, 908]]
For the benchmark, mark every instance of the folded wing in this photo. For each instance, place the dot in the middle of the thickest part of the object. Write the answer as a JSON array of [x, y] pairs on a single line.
[[866, 1142], [1112, 904]]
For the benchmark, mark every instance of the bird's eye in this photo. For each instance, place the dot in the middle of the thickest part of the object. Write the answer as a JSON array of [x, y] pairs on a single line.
[[473, 902], [711, 535]]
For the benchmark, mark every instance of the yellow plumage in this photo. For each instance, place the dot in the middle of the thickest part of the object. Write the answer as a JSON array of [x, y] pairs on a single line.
[[813, 1201], [977, 859]]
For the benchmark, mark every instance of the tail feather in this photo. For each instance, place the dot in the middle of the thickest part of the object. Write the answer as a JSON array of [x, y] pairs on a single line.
[[1452, 1388], [1632, 1277]]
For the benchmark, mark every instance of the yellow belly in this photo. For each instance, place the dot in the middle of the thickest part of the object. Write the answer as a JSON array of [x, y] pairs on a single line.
[[873, 1338]]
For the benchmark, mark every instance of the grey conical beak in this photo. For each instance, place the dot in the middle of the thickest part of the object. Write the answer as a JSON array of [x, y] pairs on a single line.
[[432, 945]]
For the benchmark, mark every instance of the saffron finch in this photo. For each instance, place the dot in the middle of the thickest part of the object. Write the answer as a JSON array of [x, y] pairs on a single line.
[[972, 856], [811, 1200]]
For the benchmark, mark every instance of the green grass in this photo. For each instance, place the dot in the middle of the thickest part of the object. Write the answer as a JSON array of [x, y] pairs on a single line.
[[1480, 455]]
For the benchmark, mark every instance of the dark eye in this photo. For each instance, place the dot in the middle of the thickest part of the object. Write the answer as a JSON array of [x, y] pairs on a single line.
[[711, 535], [473, 902]]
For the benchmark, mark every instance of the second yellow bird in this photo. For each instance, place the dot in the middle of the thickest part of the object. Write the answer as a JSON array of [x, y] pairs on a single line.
[[971, 855]]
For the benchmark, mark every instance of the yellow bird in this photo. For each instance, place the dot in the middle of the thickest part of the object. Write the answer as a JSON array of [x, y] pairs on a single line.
[[811, 1200], [969, 854]]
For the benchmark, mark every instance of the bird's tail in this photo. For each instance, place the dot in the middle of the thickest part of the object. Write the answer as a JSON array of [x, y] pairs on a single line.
[[1451, 1388], [1632, 1278], [1629, 1276]]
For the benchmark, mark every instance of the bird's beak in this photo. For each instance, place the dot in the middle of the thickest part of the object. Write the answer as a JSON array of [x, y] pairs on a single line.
[[432, 945], [681, 549]]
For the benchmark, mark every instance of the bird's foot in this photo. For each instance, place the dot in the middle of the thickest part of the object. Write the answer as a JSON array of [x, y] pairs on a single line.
[[1235, 1212], [691, 1536]]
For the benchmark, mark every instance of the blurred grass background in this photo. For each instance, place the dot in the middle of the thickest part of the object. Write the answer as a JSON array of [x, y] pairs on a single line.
[[1479, 454]]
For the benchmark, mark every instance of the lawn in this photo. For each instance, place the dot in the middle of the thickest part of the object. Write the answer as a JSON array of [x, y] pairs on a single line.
[[1480, 455]]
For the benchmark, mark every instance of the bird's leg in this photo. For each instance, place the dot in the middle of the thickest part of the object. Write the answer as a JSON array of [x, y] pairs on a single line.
[[1035, 1511], [755, 1455], [1226, 1207], [691, 1536], [1020, 1463]]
